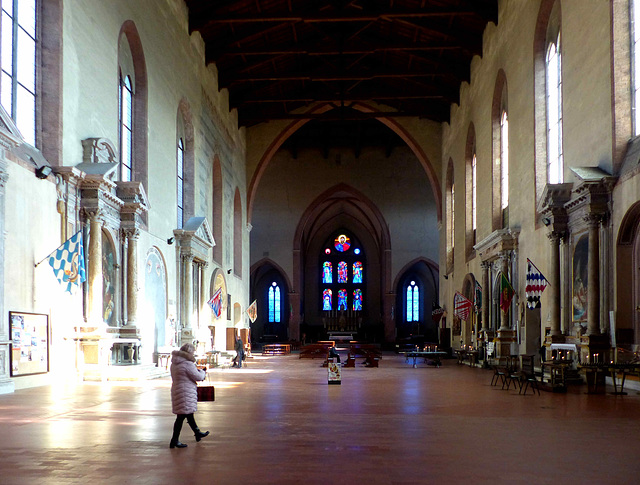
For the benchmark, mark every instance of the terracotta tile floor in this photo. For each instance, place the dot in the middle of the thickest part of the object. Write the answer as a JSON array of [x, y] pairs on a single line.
[[278, 422]]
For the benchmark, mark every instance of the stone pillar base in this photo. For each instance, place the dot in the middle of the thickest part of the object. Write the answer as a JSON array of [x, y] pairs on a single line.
[[186, 336], [595, 348], [7, 386], [504, 340]]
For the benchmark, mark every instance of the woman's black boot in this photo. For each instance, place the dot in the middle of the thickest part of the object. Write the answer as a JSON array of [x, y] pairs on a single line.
[[199, 434], [176, 444]]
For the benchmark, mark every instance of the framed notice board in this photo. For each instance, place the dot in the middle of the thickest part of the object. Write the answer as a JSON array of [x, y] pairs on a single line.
[[29, 343]]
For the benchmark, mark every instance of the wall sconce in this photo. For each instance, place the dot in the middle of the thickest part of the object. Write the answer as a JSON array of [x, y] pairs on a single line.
[[170, 240], [43, 172], [546, 221], [229, 271]]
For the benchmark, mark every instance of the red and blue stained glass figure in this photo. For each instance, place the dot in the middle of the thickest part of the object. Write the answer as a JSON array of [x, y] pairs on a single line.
[[357, 300], [327, 272], [343, 277], [357, 272], [326, 300], [342, 299], [342, 243]]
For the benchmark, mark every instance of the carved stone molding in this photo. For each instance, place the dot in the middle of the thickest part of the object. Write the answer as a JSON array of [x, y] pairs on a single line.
[[99, 150], [498, 244]]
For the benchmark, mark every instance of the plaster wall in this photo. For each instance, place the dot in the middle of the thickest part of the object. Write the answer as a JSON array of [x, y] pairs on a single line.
[[398, 186], [587, 122], [175, 71]]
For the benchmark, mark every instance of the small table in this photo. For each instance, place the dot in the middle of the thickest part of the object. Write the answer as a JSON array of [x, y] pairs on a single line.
[[435, 356]]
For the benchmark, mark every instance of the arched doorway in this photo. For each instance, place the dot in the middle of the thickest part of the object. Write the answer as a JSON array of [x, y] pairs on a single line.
[[416, 296], [155, 303], [270, 289], [627, 319]]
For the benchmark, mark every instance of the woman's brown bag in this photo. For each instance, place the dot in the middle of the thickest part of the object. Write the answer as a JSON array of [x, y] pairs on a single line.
[[206, 392]]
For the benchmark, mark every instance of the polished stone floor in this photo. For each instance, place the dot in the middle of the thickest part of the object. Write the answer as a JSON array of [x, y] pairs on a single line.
[[278, 422]]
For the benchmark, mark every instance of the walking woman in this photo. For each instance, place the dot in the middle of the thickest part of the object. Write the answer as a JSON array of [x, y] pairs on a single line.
[[184, 392]]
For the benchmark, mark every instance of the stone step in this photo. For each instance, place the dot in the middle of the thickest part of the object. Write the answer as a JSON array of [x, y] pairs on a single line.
[[140, 372]]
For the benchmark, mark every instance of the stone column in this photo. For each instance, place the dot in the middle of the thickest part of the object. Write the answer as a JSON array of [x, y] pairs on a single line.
[[593, 276], [554, 287], [94, 278], [504, 268], [132, 277], [186, 296], [485, 265]]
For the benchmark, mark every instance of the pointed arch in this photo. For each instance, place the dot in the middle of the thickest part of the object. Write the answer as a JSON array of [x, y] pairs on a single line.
[[402, 132], [140, 100]]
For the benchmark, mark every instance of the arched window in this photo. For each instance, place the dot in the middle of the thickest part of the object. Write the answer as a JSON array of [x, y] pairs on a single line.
[[237, 234], [555, 164], [469, 194], [126, 128], [635, 64], [274, 303], [474, 196], [180, 182], [504, 168], [344, 290], [18, 62], [449, 205], [413, 302]]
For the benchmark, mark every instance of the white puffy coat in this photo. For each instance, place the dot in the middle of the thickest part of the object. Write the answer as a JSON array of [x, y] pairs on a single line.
[[184, 374]]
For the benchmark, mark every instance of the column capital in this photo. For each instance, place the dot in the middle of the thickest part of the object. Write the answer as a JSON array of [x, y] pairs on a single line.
[[4, 176], [94, 214], [555, 236], [485, 265], [131, 233], [187, 257], [593, 219]]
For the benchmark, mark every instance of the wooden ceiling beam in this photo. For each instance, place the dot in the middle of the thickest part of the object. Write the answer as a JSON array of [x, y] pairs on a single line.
[[328, 50], [200, 20]]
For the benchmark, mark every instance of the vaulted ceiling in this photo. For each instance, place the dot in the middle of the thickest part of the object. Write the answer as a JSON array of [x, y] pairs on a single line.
[[276, 56]]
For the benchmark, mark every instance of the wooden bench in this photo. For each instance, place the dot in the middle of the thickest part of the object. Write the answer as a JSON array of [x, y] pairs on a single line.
[[276, 349], [311, 351]]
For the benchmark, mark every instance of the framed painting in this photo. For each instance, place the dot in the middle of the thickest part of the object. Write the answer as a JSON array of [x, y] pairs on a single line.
[[579, 280], [29, 335]]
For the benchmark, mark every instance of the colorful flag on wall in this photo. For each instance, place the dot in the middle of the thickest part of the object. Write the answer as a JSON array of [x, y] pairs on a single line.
[[68, 262], [506, 293], [252, 311], [461, 306], [478, 297], [216, 302], [536, 284]]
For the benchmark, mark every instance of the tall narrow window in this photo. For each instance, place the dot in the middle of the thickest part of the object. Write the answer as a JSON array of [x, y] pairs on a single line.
[[180, 182], [555, 165], [126, 128], [413, 302], [274, 303], [18, 62], [635, 60], [474, 196], [453, 217], [504, 161]]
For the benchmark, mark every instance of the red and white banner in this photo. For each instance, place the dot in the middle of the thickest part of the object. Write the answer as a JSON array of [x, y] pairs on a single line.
[[461, 306]]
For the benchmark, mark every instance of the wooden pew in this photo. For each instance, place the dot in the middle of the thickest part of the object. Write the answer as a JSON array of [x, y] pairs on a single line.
[[311, 351]]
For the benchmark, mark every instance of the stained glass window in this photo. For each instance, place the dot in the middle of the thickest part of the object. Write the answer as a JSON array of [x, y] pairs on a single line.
[[342, 299], [342, 243], [326, 299], [357, 300], [357, 272], [327, 272], [413, 302], [343, 277], [274, 303]]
